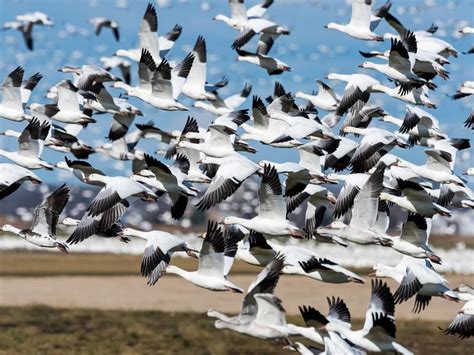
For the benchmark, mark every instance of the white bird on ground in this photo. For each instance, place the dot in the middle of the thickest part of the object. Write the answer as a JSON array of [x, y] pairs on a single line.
[[42, 230], [13, 176], [211, 270], [363, 22]]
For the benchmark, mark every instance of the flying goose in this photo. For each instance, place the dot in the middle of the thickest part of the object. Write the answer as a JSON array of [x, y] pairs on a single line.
[[217, 143], [416, 277], [463, 324], [116, 62], [361, 229], [271, 219], [341, 157], [361, 24], [417, 96], [326, 99], [240, 14], [159, 249], [101, 22], [43, 227], [466, 89], [210, 273], [87, 75], [25, 22], [11, 106], [379, 331], [221, 106], [195, 85], [400, 64], [30, 146], [231, 173], [116, 189], [273, 66], [12, 176], [265, 282]]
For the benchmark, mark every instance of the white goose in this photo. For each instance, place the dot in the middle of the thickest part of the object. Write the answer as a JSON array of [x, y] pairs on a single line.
[[326, 99], [271, 219], [11, 107], [43, 227], [466, 89], [217, 143], [416, 277], [100, 22], [12, 176], [81, 169], [221, 106], [211, 269], [417, 96], [272, 65], [30, 146], [361, 24], [462, 325], [159, 249]]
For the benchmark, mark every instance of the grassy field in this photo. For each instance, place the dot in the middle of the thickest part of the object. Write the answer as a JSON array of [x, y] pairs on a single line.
[[43, 330]]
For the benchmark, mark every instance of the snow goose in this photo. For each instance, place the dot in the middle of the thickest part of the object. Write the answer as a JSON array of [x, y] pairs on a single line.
[[116, 189], [361, 115], [210, 272], [11, 107], [415, 199], [159, 249], [122, 64], [437, 167], [271, 219], [118, 150], [376, 143], [194, 87], [379, 330], [361, 25], [265, 282], [400, 64], [30, 146], [341, 157], [264, 128], [217, 144], [361, 229], [81, 169], [89, 74], [353, 183], [466, 89], [103, 102], [326, 99], [25, 22], [156, 83], [28, 86], [105, 225], [232, 172], [240, 14], [101, 22], [416, 277], [417, 96], [463, 324], [43, 227], [272, 65], [221, 106], [170, 180], [12, 176], [456, 196]]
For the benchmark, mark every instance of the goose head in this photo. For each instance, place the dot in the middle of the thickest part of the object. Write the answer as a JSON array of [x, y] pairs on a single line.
[[380, 270], [336, 225], [96, 178], [10, 229], [333, 26], [230, 220], [70, 221], [70, 69], [366, 65]]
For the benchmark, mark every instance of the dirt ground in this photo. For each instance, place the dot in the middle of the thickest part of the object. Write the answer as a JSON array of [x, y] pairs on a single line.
[[173, 294]]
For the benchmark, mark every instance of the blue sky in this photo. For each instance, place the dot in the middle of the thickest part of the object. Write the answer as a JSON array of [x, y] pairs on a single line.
[[311, 50]]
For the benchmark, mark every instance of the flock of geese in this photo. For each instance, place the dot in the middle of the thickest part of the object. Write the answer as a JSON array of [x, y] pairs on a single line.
[[373, 177]]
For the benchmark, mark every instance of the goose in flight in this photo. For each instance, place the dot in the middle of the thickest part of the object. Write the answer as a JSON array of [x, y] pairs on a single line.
[[361, 229], [159, 249], [400, 64], [105, 225], [416, 277], [240, 14], [379, 331], [272, 65], [363, 21], [11, 106], [101, 22], [417, 96], [271, 219], [122, 64], [466, 89], [13, 176], [25, 23], [225, 106], [195, 85], [30, 146], [230, 175], [217, 143], [326, 99], [88, 75], [157, 85], [212, 263], [42, 230], [116, 189], [265, 282], [463, 324], [81, 169]]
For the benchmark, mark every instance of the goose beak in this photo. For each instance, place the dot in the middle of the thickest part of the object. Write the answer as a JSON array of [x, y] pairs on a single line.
[[360, 66], [372, 274], [325, 26]]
